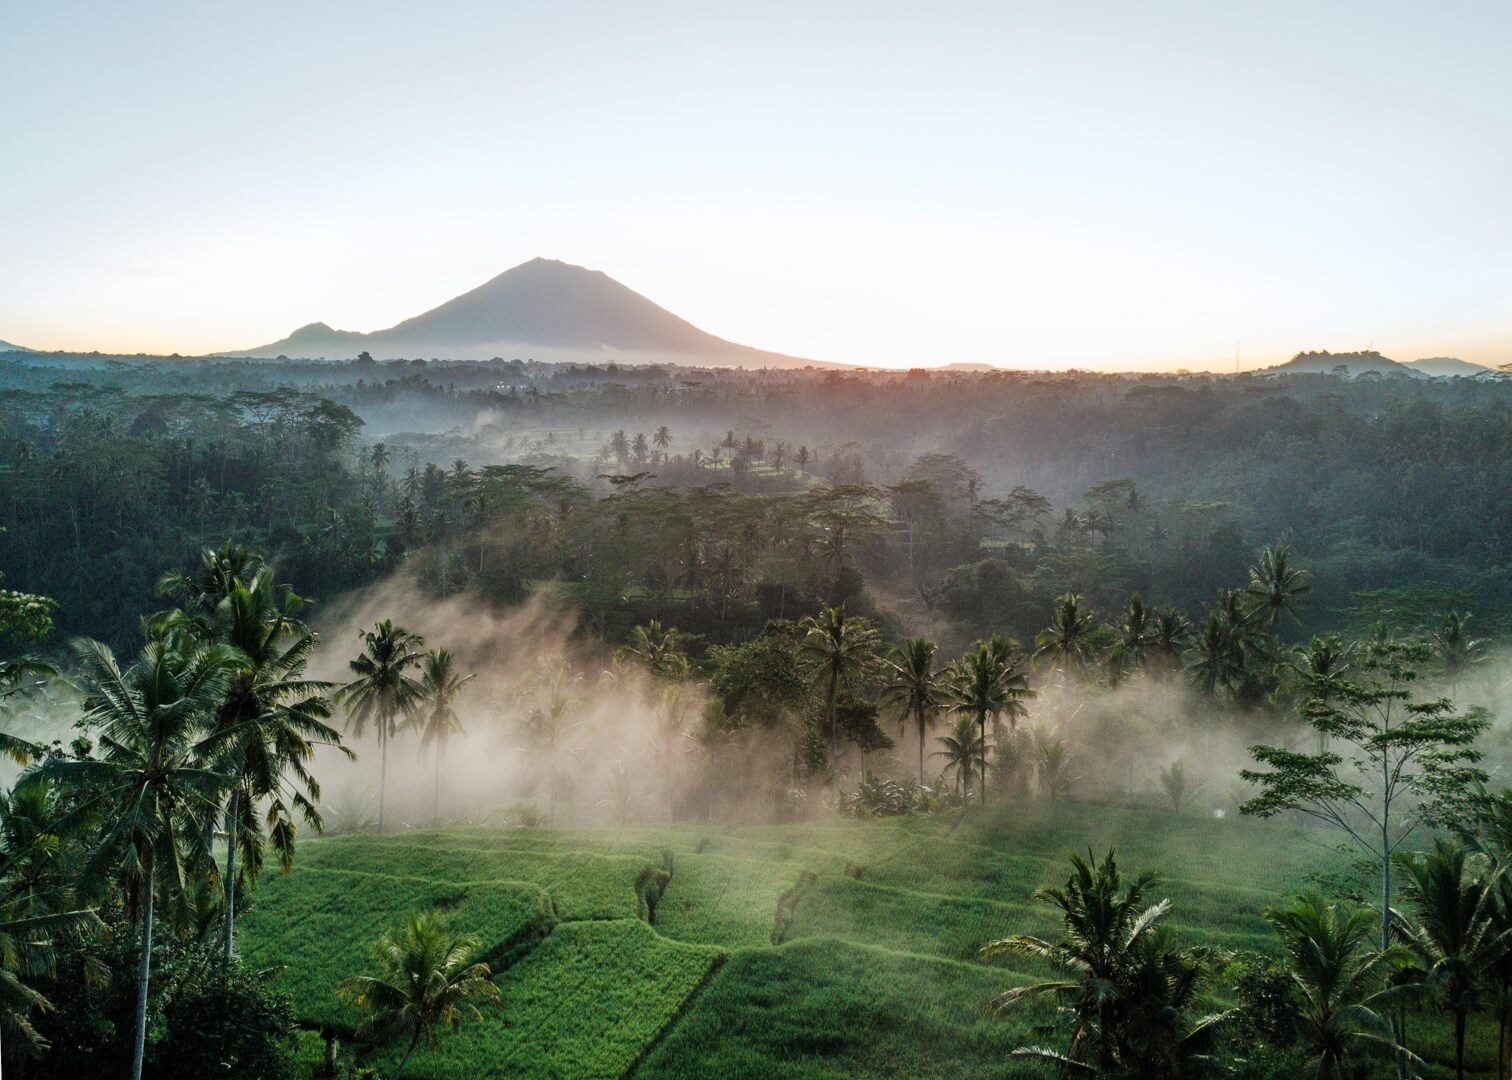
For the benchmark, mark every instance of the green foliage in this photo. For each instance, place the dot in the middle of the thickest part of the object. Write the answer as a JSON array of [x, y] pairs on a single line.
[[211, 1018], [818, 1009], [586, 1002], [313, 927], [427, 983]]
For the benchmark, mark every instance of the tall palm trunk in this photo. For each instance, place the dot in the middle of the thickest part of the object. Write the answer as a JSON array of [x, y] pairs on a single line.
[[1459, 1044], [383, 726], [405, 1060], [983, 721], [144, 969], [232, 806], [436, 795], [834, 743], [920, 717], [552, 765]]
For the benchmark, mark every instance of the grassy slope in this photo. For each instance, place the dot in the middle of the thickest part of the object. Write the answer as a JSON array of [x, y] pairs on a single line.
[[879, 976]]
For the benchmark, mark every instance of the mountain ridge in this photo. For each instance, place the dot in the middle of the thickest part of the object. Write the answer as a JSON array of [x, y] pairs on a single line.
[[545, 308]]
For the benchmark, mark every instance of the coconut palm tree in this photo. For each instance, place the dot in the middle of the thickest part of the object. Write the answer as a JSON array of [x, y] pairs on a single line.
[[1067, 641], [1170, 634], [963, 749], [914, 683], [268, 727], [384, 694], [836, 648], [149, 785], [988, 682], [427, 982], [441, 684], [663, 438], [1275, 587], [1217, 661], [1129, 995], [657, 648], [1456, 650], [200, 591], [553, 701], [1457, 932], [1341, 982], [36, 907], [1136, 638]]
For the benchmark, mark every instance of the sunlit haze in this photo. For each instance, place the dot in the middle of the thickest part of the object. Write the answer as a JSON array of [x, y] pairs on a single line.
[[1112, 186]]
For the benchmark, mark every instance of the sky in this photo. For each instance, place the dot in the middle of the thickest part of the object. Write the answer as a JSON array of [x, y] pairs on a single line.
[[1100, 185]]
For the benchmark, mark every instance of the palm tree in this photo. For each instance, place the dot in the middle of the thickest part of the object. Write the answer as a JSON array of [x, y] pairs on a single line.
[[963, 749], [200, 592], [836, 648], [426, 982], [1275, 587], [657, 648], [914, 683], [1067, 640], [268, 727], [440, 686], [1169, 637], [149, 784], [1341, 982], [1217, 658], [35, 901], [662, 438], [1456, 650], [1176, 785], [1128, 993], [989, 682], [1322, 665], [1457, 934], [384, 693], [1136, 637], [554, 700]]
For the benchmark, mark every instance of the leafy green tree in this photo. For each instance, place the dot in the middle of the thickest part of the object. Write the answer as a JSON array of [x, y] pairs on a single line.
[[1404, 762], [427, 982], [441, 684], [1456, 932], [837, 649], [384, 694], [915, 683], [1342, 986], [149, 784]]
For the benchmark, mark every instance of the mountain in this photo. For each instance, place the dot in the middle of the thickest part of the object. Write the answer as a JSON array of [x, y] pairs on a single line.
[[544, 309], [6, 346], [1355, 364], [1451, 366]]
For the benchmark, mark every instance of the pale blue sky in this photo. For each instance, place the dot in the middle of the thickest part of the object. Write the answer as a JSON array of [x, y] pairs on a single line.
[[1106, 185]]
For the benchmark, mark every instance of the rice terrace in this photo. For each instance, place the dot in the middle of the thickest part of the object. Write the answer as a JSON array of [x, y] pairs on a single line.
[[1035, 603]]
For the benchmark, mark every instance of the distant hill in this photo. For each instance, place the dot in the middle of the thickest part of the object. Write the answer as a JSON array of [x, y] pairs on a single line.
[[1447, 366], [6, 346], [544, 309], [1354, 364]]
